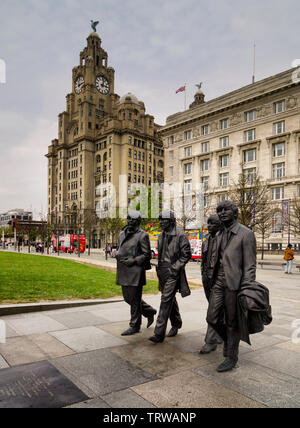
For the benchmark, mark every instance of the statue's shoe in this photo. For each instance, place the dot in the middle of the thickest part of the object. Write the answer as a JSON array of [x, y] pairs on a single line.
[[156, 339], [173, 332], [130, 331], [228, 364], [207, 348]]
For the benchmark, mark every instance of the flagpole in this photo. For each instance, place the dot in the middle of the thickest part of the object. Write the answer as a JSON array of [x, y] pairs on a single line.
[[185, 97]]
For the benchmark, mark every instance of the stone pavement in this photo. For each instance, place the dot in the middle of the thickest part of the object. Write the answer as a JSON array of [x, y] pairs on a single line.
[[76, 357]]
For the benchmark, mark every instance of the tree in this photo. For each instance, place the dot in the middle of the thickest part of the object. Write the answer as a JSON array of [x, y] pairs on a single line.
[[251, 196], [90, 221], [263, 226], [295, 215]]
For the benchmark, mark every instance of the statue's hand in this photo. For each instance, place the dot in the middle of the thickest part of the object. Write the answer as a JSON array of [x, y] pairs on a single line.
[[129, 262]]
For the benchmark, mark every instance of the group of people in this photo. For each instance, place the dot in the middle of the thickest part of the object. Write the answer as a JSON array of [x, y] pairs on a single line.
[[228, 276]]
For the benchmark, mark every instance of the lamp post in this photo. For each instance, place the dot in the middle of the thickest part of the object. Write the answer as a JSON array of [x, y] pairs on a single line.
[[289, 225]]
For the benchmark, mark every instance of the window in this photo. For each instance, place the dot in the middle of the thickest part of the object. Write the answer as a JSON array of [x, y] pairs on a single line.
[[224, 179], [279, 127], [224, 161], [250, 115], [205, 130], [130, 140], [223, 197], [249, 155], [279, 107], [129, 153], [205, 147], [278, 170], [188, 168], [129, 165], [250, 175], [224, 123], [224, 142], [278, 149], [204, 181], [187, 186], [277, 222], [171, 169], [277, 193], [188, 151], [171, 140], [298, 190], [250, 135], [205, 165], [135, 154], [171, 155], [187, 135]]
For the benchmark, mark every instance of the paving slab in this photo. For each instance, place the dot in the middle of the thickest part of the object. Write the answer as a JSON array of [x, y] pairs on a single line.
[[102, 371], [280, 360], [3, 363], [268, 386], [10, 332], [38, 385], [189, 390], [118, 327], [260, 341], [78, 319], [21, 350], [51, 347], [95, 403], [114, 315], [290, 346], [87, 339], [127, 399], [35, 323], [160, 359]]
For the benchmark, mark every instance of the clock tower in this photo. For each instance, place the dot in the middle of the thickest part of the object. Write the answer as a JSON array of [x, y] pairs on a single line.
[[100, 137], [93, 79]]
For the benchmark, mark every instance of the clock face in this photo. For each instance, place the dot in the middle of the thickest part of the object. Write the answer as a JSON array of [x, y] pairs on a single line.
[[102, 85], [79, 84]]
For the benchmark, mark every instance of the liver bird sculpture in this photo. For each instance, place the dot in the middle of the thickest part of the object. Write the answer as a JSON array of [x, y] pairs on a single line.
[[94, 25]]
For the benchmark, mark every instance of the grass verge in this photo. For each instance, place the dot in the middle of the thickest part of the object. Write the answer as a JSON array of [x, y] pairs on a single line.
[[26, 278]]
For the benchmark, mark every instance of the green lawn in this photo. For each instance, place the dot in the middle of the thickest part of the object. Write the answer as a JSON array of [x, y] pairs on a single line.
[[28, 278]]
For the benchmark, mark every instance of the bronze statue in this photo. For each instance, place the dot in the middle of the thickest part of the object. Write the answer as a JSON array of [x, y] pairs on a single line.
[[174, 252], [209, 248], [133, 259], [94, 25], [234, 267]]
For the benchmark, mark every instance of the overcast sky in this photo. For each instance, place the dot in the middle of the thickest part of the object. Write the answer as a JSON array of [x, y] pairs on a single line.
[[154, 46]]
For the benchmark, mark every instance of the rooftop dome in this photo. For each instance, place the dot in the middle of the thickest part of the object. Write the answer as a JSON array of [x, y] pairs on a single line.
[[94, 34], [129, 98]]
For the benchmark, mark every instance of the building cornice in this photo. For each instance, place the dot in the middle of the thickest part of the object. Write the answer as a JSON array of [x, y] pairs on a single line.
[[252, 92]]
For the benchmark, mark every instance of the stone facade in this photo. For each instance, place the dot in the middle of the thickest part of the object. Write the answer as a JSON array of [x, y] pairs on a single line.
[[100, 137], [255, 128]]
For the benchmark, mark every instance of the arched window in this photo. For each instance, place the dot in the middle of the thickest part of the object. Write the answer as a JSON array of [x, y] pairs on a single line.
[[277, 222], [105, 157], [160, 164], [98, 158]]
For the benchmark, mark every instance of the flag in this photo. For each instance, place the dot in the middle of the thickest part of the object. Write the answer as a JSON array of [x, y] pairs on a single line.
[[285, 212], [182, 89]]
